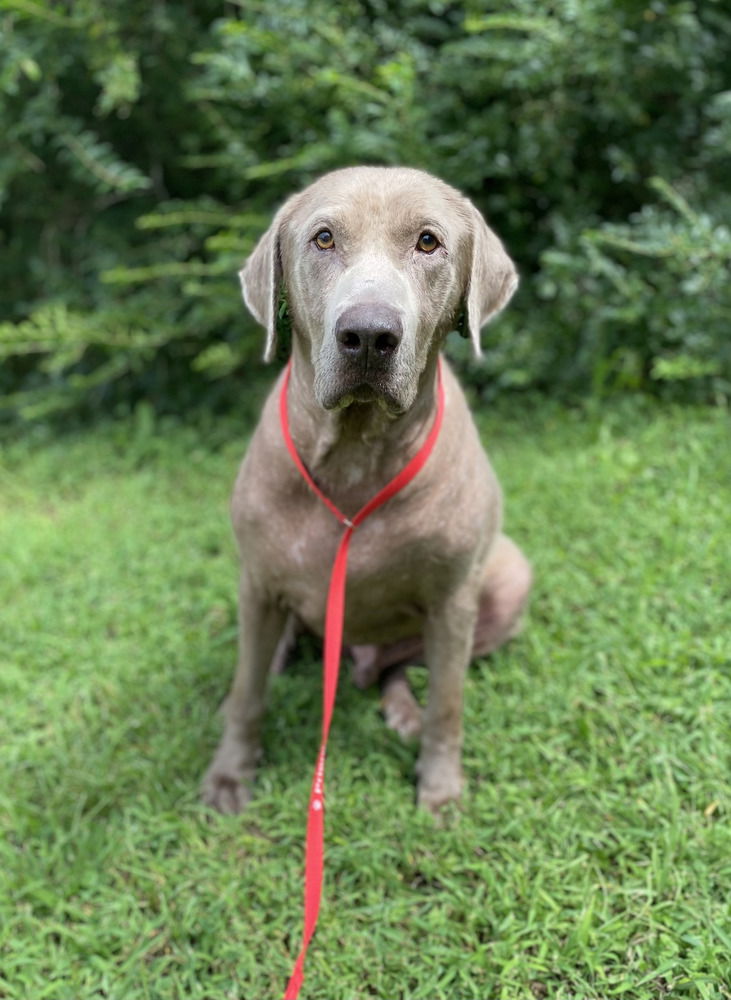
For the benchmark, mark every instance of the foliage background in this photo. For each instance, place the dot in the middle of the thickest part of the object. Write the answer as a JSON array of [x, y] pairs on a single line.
[[145, 146]]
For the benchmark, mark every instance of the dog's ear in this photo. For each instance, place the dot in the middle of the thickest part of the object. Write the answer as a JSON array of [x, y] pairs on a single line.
[[261, 283], [491, 281]]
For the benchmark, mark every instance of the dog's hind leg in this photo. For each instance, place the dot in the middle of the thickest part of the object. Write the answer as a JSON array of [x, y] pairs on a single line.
[[293, 628], [503, 596]]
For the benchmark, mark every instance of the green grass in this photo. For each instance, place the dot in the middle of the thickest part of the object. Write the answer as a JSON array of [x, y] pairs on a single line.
[[591, 856]]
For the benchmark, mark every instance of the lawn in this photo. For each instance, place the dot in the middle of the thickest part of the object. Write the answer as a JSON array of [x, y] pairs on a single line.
[[591, 856]]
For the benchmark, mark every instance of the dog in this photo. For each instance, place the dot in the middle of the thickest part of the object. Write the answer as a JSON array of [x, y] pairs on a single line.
[[374, 266]]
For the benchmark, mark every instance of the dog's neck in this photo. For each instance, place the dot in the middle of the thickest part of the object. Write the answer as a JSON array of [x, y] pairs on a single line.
[[355, 450]]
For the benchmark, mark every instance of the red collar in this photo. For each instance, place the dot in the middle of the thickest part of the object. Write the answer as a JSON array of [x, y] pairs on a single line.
[[402, 479]]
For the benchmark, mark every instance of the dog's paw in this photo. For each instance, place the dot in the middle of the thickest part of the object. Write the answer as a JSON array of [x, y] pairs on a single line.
[[440, 782], [225, 792], [365, 668], [401, 712]]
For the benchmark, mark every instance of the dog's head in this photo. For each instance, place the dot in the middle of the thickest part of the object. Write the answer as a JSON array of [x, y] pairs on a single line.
[[379, 264]]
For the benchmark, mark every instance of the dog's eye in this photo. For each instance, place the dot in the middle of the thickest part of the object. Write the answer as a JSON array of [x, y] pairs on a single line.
[[427, 242], [325, 239]]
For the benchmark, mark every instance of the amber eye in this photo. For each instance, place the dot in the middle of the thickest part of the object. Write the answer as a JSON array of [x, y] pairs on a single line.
[[325, 239], [427, 242]]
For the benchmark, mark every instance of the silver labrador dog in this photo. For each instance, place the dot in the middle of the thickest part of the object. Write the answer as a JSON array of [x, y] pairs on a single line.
[[378, 264]]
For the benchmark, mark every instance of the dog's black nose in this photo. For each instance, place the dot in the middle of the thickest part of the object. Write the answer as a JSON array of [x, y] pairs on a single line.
[[368, 334]]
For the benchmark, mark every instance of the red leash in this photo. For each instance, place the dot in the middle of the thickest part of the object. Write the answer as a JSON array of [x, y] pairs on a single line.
[[334, 613]]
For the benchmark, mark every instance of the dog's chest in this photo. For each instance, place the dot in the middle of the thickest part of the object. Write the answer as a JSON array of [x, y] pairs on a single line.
[[398, 561], [404, 558]]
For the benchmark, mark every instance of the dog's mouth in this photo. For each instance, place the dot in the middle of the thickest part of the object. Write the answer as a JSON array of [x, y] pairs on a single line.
[[367, 397], [363, 393]]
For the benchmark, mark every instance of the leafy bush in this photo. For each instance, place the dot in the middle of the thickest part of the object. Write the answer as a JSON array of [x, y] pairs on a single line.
[[147, 145]]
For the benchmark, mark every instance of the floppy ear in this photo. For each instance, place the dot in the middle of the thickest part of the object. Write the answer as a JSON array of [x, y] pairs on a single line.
[[492, 278], [261, 279]]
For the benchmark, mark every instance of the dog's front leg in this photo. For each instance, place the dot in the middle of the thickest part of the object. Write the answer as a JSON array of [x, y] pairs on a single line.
[[227, 783], [448, 644]]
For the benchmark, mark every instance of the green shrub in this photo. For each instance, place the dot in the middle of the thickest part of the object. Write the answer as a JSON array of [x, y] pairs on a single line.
[[145, 147]]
